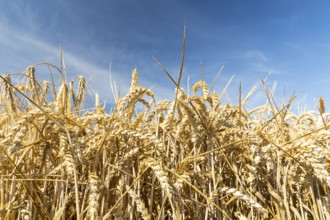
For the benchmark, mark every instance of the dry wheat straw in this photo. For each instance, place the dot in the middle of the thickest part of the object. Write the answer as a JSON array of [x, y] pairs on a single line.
[[140, 205], [195, 157]]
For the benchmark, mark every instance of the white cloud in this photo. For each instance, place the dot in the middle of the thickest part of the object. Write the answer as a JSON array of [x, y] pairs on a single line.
[[298, 47], [28, 49], [254, 54]]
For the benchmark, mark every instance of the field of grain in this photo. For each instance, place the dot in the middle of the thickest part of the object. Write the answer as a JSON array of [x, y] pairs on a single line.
[[194, 157]]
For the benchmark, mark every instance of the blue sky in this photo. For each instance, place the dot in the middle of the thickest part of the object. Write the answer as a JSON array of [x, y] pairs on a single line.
[[290, 39]]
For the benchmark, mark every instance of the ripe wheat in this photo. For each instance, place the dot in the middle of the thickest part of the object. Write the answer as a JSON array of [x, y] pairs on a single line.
[[191, 158]]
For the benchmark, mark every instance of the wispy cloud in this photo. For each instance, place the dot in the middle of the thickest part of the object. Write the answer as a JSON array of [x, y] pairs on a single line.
[[27, 49], [289, 20], [298, 48], [325, 45], [254, 54], [249, 55], [262, 68], [323, 81]]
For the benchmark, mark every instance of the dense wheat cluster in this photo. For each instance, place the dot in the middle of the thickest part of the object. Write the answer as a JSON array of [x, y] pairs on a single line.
[[194, 157]]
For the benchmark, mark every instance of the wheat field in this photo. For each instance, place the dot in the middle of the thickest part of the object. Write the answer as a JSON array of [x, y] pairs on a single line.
[[194, 157]]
